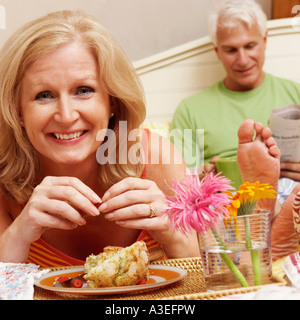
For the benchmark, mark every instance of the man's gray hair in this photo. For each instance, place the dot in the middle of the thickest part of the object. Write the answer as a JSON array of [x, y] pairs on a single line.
[[230, 13]]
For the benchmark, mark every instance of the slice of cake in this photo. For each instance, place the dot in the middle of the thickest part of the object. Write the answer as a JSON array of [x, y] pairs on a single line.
[[117, 266]]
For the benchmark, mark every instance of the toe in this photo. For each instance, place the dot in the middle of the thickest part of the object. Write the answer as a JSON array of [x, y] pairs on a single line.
[[246, 131], [274, 152], [259, 127], [266, 133]]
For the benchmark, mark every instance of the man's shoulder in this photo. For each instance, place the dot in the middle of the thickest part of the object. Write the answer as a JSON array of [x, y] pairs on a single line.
[[285, 81], [203, 95]]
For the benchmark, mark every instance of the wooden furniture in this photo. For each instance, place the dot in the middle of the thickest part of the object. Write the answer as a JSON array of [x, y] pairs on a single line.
[[285, 8]]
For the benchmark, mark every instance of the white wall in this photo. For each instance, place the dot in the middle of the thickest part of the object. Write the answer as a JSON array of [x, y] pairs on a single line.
[[143, 27]]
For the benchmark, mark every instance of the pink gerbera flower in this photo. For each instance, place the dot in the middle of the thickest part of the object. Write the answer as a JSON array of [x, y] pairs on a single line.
[[198, 204]]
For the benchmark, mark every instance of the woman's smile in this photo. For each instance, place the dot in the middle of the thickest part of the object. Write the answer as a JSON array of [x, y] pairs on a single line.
[[69, 137]]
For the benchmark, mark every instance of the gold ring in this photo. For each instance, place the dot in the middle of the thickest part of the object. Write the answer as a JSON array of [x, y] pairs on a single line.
[[152, 211]]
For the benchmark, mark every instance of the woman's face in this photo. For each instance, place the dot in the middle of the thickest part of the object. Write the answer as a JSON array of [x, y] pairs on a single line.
[[64, 105]]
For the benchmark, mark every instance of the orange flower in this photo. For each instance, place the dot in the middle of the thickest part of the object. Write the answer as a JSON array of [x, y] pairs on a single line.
[[246, 198], [233, 211], [256, 191], [235, 203]]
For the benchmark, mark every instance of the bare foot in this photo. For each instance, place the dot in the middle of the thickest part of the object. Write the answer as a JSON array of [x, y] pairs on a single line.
[[258, 157], [284, 238]]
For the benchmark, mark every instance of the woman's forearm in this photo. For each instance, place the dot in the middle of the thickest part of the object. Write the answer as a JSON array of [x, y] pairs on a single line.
[[182, 246], [12, 247], [178, 245]]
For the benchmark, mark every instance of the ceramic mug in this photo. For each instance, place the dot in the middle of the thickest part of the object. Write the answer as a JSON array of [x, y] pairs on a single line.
[[230, 169]]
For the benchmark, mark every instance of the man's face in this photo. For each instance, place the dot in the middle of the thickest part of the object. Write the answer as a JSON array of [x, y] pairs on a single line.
[[242, 53]]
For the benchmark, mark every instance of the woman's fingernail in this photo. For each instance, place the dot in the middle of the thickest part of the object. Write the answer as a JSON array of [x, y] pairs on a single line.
[[103, 207], [97, 205], [82, 222], [94, 211], [109, 216], [96, 198], [106, 196]]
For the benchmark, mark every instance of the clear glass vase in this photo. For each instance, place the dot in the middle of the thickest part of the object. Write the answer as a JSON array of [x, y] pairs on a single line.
[[237, 252]]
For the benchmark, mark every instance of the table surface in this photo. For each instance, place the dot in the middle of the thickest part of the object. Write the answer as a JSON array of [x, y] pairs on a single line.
[[192, 287]]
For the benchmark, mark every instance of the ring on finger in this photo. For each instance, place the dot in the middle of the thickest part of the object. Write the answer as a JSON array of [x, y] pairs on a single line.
[[152, 211]]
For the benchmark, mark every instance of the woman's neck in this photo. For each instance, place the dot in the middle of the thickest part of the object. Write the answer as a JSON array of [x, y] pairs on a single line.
[[87, 173]]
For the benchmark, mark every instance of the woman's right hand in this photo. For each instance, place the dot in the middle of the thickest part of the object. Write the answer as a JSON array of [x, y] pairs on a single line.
[[57, 202]]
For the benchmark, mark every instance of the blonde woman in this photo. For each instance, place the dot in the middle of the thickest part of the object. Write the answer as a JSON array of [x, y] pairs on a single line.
[[65, 88]]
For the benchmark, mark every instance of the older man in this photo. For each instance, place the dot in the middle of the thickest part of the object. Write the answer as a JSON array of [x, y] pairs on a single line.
[[238, 30]]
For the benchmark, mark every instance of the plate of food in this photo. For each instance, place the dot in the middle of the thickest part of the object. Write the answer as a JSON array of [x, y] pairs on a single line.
[[115, 271], [160, 276]]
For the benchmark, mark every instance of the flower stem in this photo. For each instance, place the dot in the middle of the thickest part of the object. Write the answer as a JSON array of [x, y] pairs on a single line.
[[234, 269], [256, 267], [254, 254]]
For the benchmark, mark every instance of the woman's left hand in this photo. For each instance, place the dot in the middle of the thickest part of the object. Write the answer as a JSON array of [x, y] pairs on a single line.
[[137, 204]]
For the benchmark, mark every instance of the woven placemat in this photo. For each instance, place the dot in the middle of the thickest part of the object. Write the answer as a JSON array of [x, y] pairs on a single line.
[[194, 282], [192, 287], [213, 295]]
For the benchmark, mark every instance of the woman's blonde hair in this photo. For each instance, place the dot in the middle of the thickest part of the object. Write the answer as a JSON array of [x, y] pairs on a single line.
[[19, 162]]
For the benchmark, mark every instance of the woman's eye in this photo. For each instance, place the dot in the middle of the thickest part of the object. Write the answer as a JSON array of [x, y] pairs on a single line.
[[43, 96], [84, 91]]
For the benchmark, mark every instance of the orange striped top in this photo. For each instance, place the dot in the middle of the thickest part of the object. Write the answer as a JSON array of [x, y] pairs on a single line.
[[46, 256]]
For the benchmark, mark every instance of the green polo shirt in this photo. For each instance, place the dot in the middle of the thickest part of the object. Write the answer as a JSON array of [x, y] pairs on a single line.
[[210, 119]]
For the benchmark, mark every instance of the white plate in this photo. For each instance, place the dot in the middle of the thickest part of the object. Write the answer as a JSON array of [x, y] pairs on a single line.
[[160, 276]]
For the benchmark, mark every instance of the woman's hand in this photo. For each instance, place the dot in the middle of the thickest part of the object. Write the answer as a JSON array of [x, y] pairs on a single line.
[[57, 202], [127, 203]]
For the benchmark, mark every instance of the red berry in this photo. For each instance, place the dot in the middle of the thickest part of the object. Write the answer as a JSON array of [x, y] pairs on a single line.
[[77, 283], [143, 281]]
